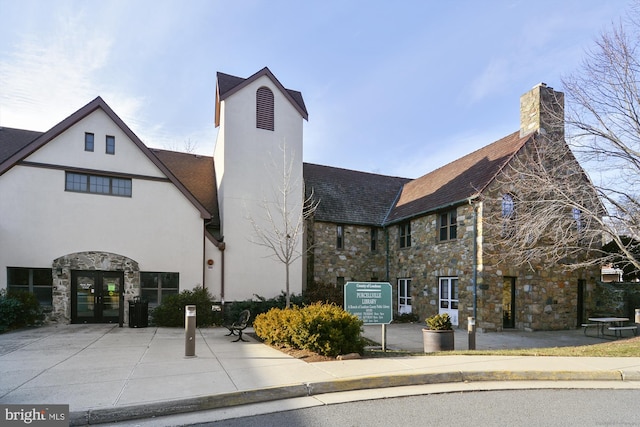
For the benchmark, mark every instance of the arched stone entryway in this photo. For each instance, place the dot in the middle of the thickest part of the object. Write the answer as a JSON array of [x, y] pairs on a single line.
[[63, 267]]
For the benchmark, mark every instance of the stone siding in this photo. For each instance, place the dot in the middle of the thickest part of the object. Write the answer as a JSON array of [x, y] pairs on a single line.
[[355, 261], [102, 261]]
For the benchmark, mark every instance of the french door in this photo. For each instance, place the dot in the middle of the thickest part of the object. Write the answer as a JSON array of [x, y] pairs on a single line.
[[449, 298], [96, 296]]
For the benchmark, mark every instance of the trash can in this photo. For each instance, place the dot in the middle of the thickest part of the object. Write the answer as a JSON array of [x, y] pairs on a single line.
[[138, 313]]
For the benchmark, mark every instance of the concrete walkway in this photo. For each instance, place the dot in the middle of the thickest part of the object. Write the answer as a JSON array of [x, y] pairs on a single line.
[[110, 374]]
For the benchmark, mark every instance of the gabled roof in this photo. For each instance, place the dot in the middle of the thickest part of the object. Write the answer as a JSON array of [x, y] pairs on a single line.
[[228, 85], [458, 181], [13, 140], [197, 174], [351, 197], [20, 144]]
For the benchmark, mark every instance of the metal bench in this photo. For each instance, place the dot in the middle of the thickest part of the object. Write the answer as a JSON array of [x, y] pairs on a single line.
[[618, 329], [586, 326], [239, 325]]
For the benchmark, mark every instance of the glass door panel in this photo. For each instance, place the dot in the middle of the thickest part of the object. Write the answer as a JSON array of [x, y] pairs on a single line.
[[110, 298], [85, 297]]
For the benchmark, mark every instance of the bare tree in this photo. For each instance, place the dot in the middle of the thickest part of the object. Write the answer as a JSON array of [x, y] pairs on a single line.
[[282, 228], [561, 215], [188, 146]]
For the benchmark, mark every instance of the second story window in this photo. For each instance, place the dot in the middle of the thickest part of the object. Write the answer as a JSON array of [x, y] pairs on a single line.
[[97, 184], [264, 109], [111, 144], [448, 224], [405, 234], [88, 142], [339, 237], [374, 239], [508, 215]]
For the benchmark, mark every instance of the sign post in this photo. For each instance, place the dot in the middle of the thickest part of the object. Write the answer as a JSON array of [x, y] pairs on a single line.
[[371, 302]]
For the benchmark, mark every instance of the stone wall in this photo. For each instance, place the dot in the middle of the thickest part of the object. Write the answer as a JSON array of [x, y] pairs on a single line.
[[103, 261], [354, 262]]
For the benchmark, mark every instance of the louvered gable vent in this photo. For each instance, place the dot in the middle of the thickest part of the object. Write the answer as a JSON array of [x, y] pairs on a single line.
[[264, 108]]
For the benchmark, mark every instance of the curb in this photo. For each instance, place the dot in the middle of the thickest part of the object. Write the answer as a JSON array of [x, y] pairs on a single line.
[[181, 406]]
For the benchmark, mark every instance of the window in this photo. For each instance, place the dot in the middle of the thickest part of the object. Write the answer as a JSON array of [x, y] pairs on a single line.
[[449, 293], [577, 217], [507, 206], [37, 281], [88, 142], [404, 296], [374, 239], [405, 235], [449, 225], [264, 109], [508, 215], [111, 144], [340, 282], [97, 184], [155, 286], [339, 237]]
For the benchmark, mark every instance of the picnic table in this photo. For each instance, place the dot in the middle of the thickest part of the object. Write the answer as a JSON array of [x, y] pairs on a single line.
[[615, 324]]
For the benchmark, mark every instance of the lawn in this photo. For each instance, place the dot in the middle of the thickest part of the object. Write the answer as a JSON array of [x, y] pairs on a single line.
[[619, 348]]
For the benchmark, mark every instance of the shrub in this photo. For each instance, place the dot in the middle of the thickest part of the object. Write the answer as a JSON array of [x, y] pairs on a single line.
[[323, 328], [258, 306], [439, 322], [171, 311], [19, 309]]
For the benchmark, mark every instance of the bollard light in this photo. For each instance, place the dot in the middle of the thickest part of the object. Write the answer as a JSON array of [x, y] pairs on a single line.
[[190, 331], [471, 329]]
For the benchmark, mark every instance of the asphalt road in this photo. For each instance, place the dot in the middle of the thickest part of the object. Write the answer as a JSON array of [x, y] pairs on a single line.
[[548, 407]]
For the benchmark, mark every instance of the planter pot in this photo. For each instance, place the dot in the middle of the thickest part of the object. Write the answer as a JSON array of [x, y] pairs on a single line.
[[437, 340]]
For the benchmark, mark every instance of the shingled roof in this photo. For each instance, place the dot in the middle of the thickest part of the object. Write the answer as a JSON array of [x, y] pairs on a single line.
[[457, 181], [13, 140], [228, 85], [197, 174], [351, 197]]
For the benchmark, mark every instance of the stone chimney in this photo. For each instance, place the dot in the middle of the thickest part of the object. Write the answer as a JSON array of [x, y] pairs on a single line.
[[542, 109]]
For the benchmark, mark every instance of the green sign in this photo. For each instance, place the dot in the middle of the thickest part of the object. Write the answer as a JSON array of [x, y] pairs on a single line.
[[370, 301]]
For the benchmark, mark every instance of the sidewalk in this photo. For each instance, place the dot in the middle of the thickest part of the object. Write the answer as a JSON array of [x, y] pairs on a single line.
[[107, 374]]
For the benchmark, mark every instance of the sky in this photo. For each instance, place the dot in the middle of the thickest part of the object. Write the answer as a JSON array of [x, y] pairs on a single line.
[[396, 88]]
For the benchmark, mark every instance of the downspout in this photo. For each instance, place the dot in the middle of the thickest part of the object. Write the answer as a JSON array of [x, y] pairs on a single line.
[[221, 247], [386, 238], [475, 260]]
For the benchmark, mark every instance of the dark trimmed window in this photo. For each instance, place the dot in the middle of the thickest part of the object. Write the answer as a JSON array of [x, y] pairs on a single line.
[[264, 109], [84, 183], [448, 224], [405, 234], [88, 141], [374, 239], [110, 144], [339, 237], [156, 286], [37, 281]]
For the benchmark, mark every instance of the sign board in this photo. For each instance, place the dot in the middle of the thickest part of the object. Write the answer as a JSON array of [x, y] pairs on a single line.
[[370, 301]]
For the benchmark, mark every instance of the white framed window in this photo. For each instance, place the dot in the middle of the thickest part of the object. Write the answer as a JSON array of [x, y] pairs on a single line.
[[404, 296]]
